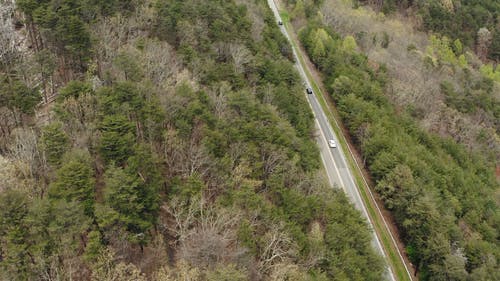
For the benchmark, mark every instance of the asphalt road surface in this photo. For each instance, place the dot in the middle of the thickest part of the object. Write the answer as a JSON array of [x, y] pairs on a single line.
[[334, 160]]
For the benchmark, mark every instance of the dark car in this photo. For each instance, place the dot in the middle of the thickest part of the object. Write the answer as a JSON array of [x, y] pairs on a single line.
[[280, 22], [309, 91]]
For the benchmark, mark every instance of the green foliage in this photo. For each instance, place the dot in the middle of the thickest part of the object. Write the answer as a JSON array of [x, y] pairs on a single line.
[[122, 98], [188, 188], [492, 73], [75, 181], [47, 62], [128, 64], [433, 186], [74, 36], [298, 10], [37, 235], [276, 123], [474, 96], [349, 44], [132, 195], [123, 197], [94, 246], [74, 89], [240, 136], [445, 52], [494, 53], [456, 19], [227, 273], [227, 20], [65, 25], [14, 234], [55, 143], [67, 222], [459, 19], [457, 47], [135, 101], [117, 138], [15, 95]]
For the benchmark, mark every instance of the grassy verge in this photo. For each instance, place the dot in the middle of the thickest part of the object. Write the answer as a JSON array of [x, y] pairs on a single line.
[[390, 248], [284, 16]]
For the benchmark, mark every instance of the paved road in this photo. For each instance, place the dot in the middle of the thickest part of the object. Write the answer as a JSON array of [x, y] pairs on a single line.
[[333, 158]]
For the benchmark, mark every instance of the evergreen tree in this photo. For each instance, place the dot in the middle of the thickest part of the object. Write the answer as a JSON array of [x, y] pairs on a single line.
[[55, 143], [495, 46], [132, 193], [14, 235], [16, 96], [74, 89], [75, 181], [117, 138]]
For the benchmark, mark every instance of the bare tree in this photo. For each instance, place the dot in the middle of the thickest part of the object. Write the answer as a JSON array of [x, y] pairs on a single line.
[[25, 152], [273, 159], [483, 42], [7, 174], [219, 95], [207, 236], [107, 268], [160, 62], [183, 217], [118, 32], [7, 124], [181, 272], [213, 241], [254, 12], [288, 271], [68, 268], [185, 158], [278, 247], [241, 56], [9, 50], [188, 36], [198, 159]]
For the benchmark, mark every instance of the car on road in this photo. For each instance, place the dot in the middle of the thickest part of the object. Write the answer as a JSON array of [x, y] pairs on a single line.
[[332, 143], [280, 22], [309, 91]]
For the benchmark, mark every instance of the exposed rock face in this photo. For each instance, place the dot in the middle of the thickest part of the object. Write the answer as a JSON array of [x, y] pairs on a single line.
[[11, 41], [6, 29]]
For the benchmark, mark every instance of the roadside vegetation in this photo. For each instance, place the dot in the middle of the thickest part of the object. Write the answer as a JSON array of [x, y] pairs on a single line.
[[166, 140], [439, 184]]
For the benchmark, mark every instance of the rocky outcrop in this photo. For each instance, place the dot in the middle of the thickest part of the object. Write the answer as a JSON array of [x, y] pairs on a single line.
[[12, 39]]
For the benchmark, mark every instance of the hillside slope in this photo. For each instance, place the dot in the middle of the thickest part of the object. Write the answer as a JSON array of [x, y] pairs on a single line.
[[423, 112], [178, 145]]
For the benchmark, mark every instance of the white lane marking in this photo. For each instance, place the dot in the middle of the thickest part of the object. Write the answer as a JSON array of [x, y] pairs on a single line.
[[302, 72], [332, 181]]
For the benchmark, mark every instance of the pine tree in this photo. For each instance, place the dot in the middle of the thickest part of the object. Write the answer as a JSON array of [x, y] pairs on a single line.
[[494, 53], [132, 194], [14, 234], [55, 143], [74, 181], [117, 138]]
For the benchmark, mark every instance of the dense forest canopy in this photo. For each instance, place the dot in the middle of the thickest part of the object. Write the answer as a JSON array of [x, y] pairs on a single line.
[[442, 194], [165, 140]]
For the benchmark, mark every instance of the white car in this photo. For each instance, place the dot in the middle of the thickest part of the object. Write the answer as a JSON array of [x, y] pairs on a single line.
[[332, 143]]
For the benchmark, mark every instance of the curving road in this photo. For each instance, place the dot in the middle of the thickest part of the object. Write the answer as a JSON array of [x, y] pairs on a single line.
[[333, 158]]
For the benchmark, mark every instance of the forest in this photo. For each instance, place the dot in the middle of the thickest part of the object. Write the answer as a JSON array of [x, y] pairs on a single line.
[[440, 189], [476, 23], [171, 140]]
